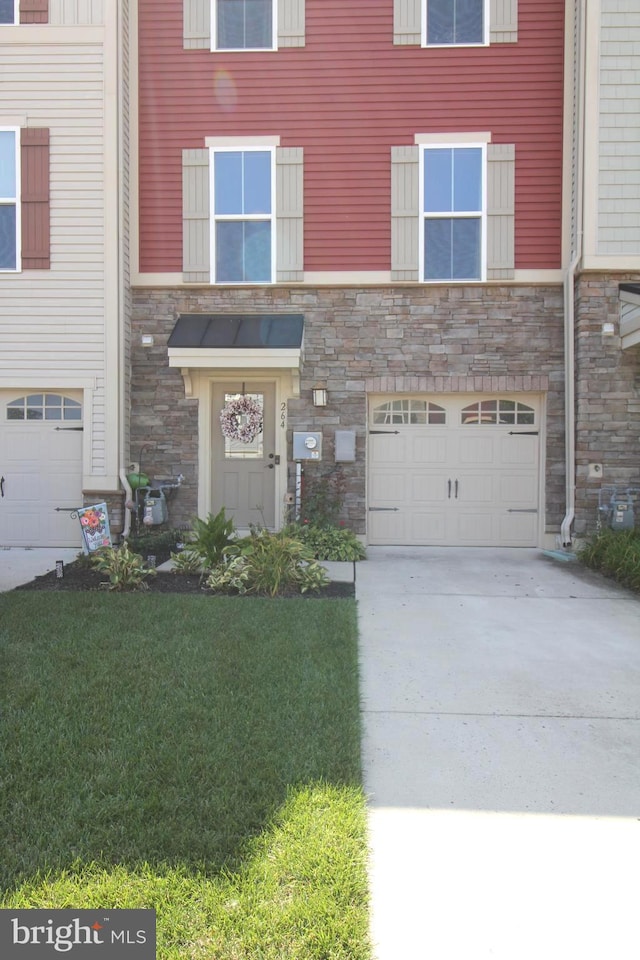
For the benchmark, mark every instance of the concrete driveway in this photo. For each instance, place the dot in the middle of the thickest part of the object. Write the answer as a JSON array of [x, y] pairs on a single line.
[[501, 693], [21, 564]]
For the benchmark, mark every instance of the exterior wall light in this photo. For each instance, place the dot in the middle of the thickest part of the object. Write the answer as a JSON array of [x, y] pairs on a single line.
[[608, 329], [319, 397], [146, 340]]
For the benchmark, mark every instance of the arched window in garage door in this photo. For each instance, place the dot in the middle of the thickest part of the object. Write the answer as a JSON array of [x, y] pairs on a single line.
[[498, 412], [409, 411], [44, 406]]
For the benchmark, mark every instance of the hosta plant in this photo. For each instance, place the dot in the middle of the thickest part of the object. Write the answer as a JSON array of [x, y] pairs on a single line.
[[272, 564], [126, 570]]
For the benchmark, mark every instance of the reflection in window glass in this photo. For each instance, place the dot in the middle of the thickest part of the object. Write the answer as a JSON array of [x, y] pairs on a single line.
[[409, 411], [498, 412], [48, 406]]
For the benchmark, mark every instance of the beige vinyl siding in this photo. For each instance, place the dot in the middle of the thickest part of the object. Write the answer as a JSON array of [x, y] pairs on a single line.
[[53, 321], [618, 230], [70, 13]]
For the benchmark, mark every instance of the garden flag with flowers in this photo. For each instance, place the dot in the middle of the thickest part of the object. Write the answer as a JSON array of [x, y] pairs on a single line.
[[94, 523]]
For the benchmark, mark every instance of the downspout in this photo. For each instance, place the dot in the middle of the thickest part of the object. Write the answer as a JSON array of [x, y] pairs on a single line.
[[569, 279]]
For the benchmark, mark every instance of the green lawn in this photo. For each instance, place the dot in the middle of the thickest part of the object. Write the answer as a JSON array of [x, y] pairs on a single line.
[[197, 755]]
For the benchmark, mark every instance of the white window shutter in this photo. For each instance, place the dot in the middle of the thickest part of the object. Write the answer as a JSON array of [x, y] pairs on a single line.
[[503, 23], [291, 23], [196, 16], [196, 240], [500, 211], [405, 215], [289, 214], [407, 22]]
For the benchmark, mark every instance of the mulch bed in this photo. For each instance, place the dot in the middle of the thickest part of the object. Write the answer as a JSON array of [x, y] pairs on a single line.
[[78, 577]]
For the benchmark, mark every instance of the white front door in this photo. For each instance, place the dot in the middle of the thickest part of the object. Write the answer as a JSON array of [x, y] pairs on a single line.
[[454, 469], [40, 470], [243, 474]]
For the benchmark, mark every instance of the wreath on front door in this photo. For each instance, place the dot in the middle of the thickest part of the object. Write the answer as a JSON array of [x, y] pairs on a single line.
[[241, 419]]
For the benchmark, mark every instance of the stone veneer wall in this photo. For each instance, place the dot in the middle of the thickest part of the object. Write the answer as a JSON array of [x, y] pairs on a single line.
[[607, 396], [443, 339]]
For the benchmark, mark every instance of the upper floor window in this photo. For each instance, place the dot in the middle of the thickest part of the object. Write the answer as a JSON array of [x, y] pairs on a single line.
[[9, 196], [243, 205], [455, 22], [8, 11], [453, 204], [437, 23], [244, 24]]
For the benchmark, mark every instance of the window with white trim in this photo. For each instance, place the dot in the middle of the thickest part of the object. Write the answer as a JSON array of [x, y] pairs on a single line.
[[243, 215], [244, 24], [455, 22], [408, 411], [44, 406], [9, 199], [452, 204], [8, 11]]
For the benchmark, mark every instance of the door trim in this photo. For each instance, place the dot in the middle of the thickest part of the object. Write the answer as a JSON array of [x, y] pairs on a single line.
[[203, 382]]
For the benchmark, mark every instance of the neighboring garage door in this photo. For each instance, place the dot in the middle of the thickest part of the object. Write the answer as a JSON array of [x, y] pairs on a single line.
[[41, 470], [454, 469]]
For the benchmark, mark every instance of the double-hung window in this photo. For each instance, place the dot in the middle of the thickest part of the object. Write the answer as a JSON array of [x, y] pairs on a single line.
[[455, 22], [244, 24], [9, 199], [453, 212], [243, 215]]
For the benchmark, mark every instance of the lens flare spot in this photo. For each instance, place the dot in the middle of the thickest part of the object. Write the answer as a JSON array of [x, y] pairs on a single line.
[[225, 90]]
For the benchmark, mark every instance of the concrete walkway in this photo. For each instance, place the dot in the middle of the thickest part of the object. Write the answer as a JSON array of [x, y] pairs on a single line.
[[501, 698], [19, 565]]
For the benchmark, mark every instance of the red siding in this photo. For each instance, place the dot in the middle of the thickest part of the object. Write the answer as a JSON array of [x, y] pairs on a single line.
[[346, 98]]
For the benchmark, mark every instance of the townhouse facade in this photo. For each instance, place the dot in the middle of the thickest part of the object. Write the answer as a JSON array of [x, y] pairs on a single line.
[[63, 279], [405, 233], [363, 200]]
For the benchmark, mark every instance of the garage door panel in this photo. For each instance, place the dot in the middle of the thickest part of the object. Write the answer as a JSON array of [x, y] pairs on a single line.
[[388, 450], [521, 450], [476, 449], [431, 450], [428, 527], [475, 488], [518, 489], [427, 488], [387, 488], [386, 527], [473, 528], [518, 529]]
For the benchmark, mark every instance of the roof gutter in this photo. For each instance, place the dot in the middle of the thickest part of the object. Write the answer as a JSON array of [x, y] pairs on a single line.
[[579, 71]]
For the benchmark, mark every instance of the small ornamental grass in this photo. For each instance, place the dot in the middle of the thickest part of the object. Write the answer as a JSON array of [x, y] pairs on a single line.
[[615, 554]]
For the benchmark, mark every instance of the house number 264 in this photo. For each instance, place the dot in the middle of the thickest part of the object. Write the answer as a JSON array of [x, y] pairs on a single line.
[[283, 415]]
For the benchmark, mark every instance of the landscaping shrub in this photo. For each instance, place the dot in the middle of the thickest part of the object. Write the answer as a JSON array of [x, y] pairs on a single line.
[[268, 563], [616, 554], [322, 498], [126, 570], [209, 538], [156, 543], [329, 543]]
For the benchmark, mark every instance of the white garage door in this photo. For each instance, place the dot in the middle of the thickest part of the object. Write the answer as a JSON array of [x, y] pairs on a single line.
[[40, 470], [455, 470]]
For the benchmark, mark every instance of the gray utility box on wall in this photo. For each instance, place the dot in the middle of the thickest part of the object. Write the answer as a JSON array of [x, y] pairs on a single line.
[[345, 446], [307, 446]]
